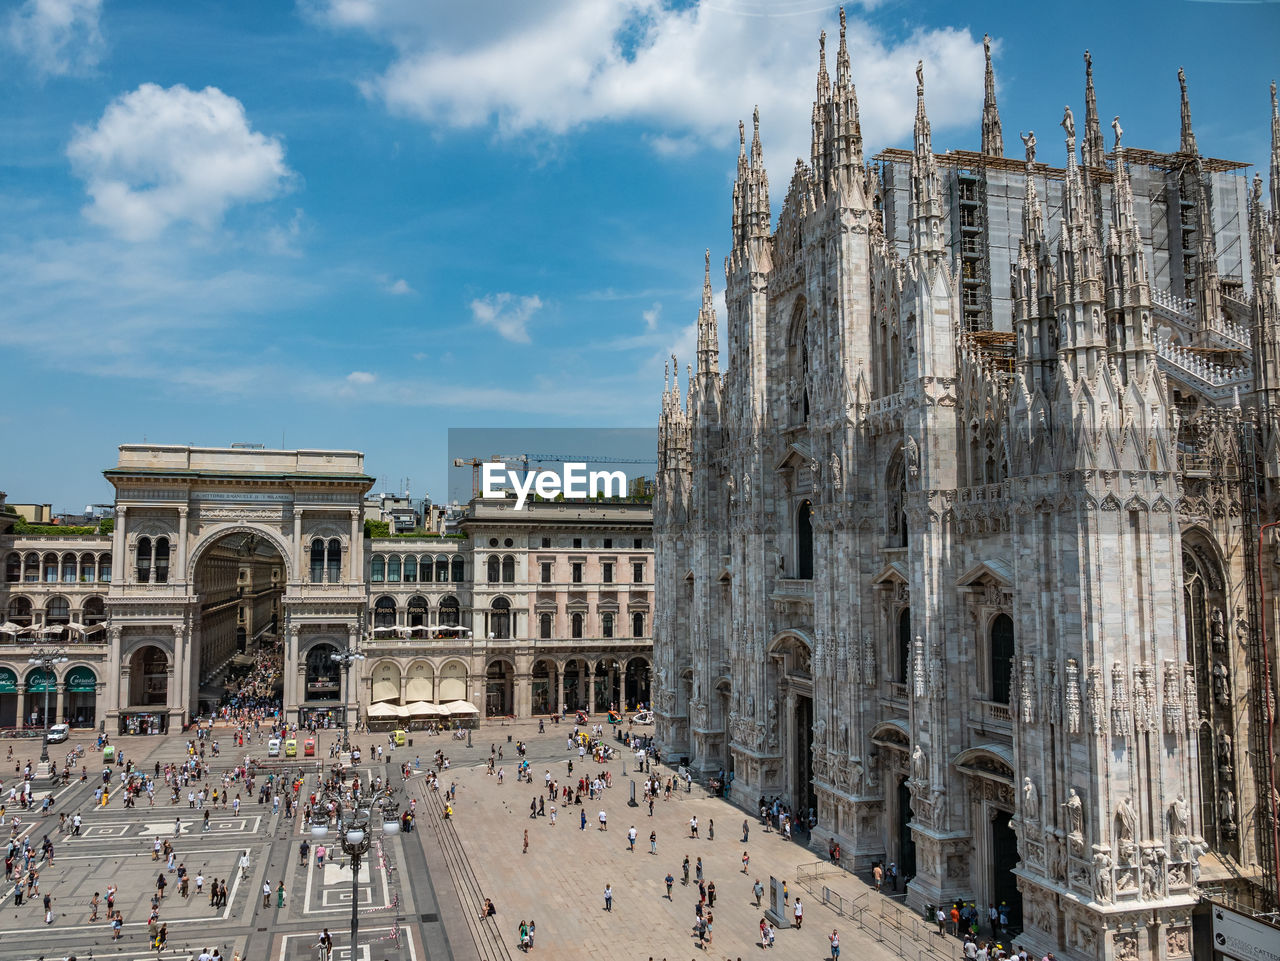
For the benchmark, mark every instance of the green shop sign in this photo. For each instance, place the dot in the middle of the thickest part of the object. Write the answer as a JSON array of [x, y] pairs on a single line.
[[39, 681], [8, 681], [81, 680]]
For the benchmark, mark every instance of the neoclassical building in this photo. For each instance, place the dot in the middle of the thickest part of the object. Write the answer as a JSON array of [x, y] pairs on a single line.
[[961, 549], [216, 551]]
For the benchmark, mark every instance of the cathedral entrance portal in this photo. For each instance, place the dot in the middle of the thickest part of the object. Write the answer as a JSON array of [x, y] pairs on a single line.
[[1004, 858], [906, 843], [802, 760]]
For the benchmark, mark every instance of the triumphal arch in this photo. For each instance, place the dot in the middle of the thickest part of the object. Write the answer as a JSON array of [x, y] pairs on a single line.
[[222, 554]]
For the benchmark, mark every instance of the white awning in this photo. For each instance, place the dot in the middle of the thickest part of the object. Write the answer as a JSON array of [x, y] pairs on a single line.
[[462, 707], [386, 710], [422, 708]]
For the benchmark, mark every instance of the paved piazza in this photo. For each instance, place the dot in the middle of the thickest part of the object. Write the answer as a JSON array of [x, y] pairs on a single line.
[[427, 904]]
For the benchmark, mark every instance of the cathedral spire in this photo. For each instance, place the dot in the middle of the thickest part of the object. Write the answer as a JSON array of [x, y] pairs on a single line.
[[708, 332], [1187, 143], [1275, 163], [1266, 316], [1128, 293], [992, 139], [843, 77], [1093, 148], [926, 213], [1079, 271], [751, 188]]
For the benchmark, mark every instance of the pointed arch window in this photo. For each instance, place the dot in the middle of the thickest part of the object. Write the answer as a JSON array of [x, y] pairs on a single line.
[[1001, 657], [903, 647], [804, 541]]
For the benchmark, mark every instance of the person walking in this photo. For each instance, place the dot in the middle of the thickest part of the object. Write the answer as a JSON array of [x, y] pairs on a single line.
[[526, 841], [653, 842], [746, 830], [711, 829], [798, 911], [758, 890], [280, 895], [631, 838], [608, 897], [670, 881], [685, 882], [834, 938], [746, 861], [266, 894]]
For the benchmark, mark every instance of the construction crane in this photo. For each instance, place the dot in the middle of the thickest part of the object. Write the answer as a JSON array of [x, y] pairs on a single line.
[[569, 458], [475, 465]]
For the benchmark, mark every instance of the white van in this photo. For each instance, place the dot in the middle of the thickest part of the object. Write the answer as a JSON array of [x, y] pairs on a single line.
[[58, 733], [273, 747]]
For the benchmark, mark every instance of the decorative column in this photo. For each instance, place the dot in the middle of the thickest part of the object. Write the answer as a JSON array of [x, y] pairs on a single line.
[[181, 671], [355, 556], [351, 696], [298, 550], [58, 704], [558, 708], [119, 560], [291, 670], [183, 511], [117, 677]]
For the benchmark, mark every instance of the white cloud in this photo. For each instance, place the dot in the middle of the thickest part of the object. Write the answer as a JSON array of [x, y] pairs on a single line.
[[550, 66], [161, 156], [400, 288], [361, 377], [652, 316], [507, 314], [59, 37]]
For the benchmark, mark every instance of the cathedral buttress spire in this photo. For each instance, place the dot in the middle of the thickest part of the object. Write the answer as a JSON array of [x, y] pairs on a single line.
[[992, 138], [1266, 316], [926, 213], [1127, 289], [708, 333], [1079, 271], [1093, 148], [750, 189], [1275, 164], [1033, 317], [1187, 142]]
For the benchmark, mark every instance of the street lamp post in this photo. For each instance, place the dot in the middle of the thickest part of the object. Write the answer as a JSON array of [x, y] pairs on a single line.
[[354, 826], [46, 658], [345, 659]]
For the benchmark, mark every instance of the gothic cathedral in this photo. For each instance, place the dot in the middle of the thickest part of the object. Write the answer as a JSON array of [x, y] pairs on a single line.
[[966, 551]]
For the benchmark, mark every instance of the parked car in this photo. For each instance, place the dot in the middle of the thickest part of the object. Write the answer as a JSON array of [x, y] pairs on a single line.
[[644, 717], [58, 733], [273, 747]]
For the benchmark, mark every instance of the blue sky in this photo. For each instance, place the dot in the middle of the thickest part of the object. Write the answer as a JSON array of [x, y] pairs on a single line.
[[355, 224]]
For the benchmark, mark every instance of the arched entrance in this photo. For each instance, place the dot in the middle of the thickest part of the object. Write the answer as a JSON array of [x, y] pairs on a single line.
[[607, 683], [790, 664], [386, 683], [575, 685], [420, 683], [8, 698], [149, 675], [906, 841], [236, 653], [42, 694], [80, 707], [322, 674], [453, 682], [498, 689]]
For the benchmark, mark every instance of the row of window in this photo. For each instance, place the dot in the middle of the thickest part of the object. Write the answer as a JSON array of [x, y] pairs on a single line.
[[637, 543], [417, 609], [57, 610], [415, 568], [577, 620], [576, 572], [52, 568]]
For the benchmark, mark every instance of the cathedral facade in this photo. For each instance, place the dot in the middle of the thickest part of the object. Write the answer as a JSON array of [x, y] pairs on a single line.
[[966, 548]]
